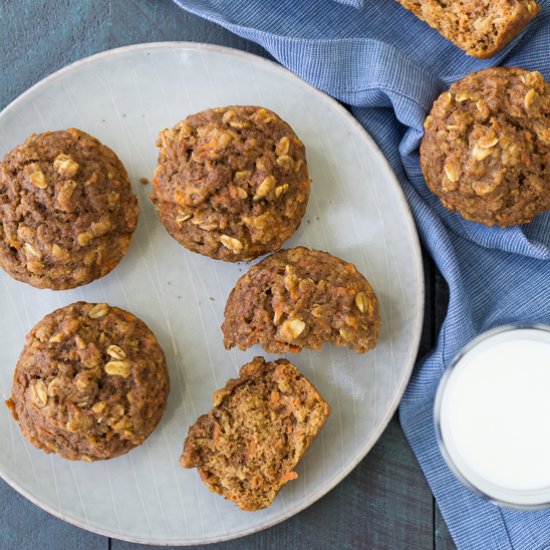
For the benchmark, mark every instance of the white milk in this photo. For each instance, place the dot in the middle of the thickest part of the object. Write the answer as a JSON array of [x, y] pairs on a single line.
[[494, 416]]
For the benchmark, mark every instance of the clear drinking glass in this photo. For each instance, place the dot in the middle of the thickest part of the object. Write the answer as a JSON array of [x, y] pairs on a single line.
[[492, 416]]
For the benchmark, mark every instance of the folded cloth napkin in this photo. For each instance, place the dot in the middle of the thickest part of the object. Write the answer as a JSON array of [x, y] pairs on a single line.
[[389, 67], [354, 3]]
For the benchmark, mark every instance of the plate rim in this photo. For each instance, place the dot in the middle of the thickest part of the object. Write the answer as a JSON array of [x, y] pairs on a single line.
[[417, 321]]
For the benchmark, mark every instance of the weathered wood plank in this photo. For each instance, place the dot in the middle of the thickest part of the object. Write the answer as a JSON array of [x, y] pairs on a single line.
[[37, 37], [428, 337], [384, 503], [441, 301], [41, 36], [442, 538], [24, 526], [135, 21]]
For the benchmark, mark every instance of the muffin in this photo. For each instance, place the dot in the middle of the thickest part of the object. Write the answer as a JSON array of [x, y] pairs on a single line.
[[91, 383], [231, 183], [301, 298], [67, 211], [480, 29], [486, 148], [247, 447]]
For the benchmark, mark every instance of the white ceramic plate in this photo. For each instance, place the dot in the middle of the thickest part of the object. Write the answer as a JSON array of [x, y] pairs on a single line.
[[356, 211]]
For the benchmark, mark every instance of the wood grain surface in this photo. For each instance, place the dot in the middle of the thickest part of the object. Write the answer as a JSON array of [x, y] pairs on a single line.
[[385, 503]]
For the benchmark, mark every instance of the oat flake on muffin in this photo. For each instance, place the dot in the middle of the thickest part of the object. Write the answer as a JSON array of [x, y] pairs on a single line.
[[486, 148], [231, 183], [301, 298], [91, 383], [67, 210]]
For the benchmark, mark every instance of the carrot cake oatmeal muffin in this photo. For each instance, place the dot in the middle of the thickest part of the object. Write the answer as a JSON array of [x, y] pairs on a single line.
[[486, 148], [67, 211], [91, 383], [479, 28], [231, 183], [247, 447], [301, 298]]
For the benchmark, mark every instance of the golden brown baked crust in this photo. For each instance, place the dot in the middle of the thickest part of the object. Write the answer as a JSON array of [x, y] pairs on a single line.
[[486, 148], [301, 298], [67, 211], [91, 383], [231, 183], [247, 447], [480, 28]]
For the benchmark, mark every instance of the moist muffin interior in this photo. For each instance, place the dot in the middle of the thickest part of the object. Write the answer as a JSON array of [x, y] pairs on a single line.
[[479, 28], [247, 447]]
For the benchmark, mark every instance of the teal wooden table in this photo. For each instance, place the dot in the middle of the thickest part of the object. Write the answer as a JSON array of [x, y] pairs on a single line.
[[385, 503]]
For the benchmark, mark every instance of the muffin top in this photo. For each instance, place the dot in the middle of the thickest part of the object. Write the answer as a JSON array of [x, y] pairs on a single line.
[[231, 183], [67, 211], [301, 298], [486, 148], [91, 382]]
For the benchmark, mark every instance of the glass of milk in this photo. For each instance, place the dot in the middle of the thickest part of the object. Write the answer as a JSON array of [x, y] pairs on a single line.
[[492, 416]]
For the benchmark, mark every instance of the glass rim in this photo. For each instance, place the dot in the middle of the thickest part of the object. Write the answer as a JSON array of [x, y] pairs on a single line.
[[449, 369]]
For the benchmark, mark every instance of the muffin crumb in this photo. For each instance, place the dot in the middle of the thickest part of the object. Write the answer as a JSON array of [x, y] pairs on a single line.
[[262, 423]]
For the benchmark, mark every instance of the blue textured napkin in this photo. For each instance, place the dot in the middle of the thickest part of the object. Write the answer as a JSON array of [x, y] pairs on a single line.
[[389, 67]]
